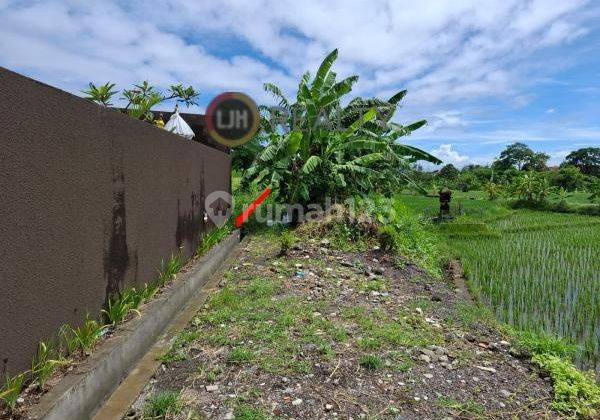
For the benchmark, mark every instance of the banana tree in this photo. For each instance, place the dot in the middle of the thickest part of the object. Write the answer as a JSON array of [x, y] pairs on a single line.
[[531, 187], [319, 148]]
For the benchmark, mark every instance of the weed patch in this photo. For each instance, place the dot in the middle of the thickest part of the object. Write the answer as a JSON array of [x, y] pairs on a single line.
[[161, 405], [169, 270], [371, 362], [11, 389], [575, 393]]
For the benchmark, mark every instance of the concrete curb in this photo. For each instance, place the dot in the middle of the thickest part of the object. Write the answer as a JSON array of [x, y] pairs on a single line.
[[79, 393]]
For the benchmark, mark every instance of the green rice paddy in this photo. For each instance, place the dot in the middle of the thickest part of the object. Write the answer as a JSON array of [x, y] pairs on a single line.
[[538, 271]]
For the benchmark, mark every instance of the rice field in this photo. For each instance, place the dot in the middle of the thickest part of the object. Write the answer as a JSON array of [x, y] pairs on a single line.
[[538, 271], [541, 274]]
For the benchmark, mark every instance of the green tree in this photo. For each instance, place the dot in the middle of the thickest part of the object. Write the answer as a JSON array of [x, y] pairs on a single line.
[[516, 155], [141, 98], [467, 181], [531, 186], [101, 94], [448, 172], [243, 156], [493, 190], [318, 148], [537, 162], [594, 189], [568, 177], [586, 159], [482, 173]]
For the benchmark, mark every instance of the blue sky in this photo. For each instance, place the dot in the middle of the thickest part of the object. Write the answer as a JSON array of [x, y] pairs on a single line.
[[483, 73]]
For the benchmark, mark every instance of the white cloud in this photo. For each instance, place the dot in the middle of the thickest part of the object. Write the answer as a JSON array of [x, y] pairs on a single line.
[[448, 155], [445, 120], [557, 157], [70, 44], [550, 111], [441, 50], [448, 54]]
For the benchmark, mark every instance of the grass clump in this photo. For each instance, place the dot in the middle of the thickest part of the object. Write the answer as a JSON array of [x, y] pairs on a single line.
[[87, 334], [575, 393], [266, 329], [471, 314], [245, 412], [163, 404], [379, 331], [371, 362], [539, 343], [45, 362], [177, 351], [149, 291], [212, 238], [240, 355], [120, 306], [168, 271], [470, 408], [11, 390]]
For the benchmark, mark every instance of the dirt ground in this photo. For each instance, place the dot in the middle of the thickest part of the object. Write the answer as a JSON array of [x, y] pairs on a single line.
[[324, 333]]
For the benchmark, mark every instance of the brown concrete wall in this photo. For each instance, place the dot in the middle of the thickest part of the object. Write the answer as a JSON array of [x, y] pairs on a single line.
[[91, 202]]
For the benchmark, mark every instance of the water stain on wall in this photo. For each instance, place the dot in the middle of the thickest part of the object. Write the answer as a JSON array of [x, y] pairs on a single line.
[[116, 256], [190, 225]]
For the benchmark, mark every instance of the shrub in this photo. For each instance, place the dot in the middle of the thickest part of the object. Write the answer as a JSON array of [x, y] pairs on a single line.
[[575, 393], [387, 238], [286, 240]]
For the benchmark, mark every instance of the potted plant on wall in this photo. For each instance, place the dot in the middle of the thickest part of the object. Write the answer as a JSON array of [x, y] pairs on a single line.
[[141, 98]]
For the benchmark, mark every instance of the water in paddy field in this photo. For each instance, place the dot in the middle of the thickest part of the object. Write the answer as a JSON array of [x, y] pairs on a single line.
[[542, 274]]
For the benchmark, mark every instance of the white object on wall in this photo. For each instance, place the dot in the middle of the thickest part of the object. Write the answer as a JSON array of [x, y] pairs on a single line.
[[177, 125]]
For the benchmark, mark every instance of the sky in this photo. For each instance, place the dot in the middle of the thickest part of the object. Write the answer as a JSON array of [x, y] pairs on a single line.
[[484, 74]]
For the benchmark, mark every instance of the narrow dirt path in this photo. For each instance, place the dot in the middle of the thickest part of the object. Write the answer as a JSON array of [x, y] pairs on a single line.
[[322, 333]]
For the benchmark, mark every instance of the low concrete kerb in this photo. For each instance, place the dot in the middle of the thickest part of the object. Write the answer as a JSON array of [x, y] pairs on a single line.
[[82, 391]]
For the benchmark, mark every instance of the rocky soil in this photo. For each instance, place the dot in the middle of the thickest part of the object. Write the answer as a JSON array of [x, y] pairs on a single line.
[[325, 333]]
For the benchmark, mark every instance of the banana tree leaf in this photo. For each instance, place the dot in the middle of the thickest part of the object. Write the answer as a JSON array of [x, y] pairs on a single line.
[[277, 93], [294, 139], [418, 154], [311, 164], [397, 97], [323, 71], [368, 116]]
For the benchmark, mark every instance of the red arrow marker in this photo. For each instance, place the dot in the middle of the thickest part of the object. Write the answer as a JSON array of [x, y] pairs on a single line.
[[243, 218]]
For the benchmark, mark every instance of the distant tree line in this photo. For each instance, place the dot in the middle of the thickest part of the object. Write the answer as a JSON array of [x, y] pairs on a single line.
[[522, 173]]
